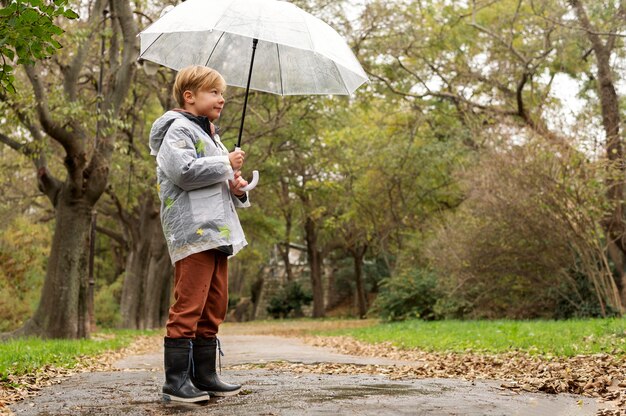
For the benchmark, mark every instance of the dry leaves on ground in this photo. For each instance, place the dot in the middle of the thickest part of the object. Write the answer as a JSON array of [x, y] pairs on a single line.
[[21, 387], [601, 375]]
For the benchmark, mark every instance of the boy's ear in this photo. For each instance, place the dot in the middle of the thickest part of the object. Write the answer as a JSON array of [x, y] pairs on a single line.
[[188, 97]]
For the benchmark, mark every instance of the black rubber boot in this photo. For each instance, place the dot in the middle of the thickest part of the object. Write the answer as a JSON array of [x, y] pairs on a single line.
[[205, 374], [178, 365]]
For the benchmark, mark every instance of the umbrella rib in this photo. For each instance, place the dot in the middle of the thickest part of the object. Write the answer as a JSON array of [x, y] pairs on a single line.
[[223, 32], [280, 72], [214, 47], [341, 77], [222, 16], [153, 42]]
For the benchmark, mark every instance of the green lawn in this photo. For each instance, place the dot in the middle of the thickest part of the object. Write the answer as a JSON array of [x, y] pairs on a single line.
[[559, 338], [23, 356]]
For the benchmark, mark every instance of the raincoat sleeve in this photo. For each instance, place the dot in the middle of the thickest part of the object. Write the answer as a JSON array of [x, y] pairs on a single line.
[[177, 158], [239, 203]]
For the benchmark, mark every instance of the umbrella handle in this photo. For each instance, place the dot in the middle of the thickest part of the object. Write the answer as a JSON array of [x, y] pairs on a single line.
[[255, 179], [252, 184]]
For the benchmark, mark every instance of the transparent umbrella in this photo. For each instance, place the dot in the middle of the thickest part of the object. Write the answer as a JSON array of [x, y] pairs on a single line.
[[291, 51]]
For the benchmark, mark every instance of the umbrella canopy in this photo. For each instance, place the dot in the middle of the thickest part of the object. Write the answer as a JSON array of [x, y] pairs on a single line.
[[296, 54]]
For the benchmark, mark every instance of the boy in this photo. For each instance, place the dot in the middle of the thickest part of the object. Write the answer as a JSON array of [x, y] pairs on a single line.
[[199, 186]]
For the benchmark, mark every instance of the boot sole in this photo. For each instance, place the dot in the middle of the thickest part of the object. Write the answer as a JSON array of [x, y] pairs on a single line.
[[224, 393], [171, 398]]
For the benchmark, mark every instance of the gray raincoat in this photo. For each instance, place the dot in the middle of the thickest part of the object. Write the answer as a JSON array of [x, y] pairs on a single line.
[[197, 207]]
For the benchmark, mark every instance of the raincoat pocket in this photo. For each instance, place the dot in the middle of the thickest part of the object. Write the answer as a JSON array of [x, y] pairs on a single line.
[[206, 204]]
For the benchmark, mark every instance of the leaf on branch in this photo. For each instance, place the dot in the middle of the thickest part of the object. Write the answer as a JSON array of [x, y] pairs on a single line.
[[71, 14]]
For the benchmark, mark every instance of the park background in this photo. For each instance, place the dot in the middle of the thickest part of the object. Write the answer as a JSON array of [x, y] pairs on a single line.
[[479, 175], [473, 191]]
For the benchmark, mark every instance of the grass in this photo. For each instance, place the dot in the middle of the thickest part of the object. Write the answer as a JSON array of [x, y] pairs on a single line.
[[25, 356], [550, 338], [556, 338]]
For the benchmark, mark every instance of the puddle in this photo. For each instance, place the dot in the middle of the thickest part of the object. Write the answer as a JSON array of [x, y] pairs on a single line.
[[365, 390]]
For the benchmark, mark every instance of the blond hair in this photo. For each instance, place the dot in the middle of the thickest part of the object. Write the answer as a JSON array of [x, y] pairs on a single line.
[[196, 78]]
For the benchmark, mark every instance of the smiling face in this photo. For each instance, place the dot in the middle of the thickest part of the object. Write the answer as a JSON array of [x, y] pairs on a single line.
[[200, 90], [207, 103]]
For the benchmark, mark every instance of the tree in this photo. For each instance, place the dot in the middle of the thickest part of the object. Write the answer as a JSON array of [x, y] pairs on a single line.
[[496, 63], [300, 168], [61, 118], [606, 78]]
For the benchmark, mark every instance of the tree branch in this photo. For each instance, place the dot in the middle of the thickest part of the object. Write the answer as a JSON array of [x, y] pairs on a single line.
[[71, 72], [117, 237], [508, 45], [58, 133], [97, 171], [20, 147]]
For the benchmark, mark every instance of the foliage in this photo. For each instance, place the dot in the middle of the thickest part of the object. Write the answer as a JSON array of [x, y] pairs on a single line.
[[288, 301], [551, 338], [588, 306], [27, 32], [23, 258], [455, 161], [511, 249], [107, 304], [407, 295], [374, 271]]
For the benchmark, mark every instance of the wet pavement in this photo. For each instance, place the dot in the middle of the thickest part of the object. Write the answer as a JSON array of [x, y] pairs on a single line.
[[135, 390]]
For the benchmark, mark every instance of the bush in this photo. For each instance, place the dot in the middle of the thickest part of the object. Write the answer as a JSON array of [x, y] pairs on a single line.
[[411, 294], [24, 248], [586, 304], [288, 301], [525, 238], [107, 304]]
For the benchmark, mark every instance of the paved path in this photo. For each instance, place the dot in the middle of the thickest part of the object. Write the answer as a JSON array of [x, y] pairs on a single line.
[[135, 390]]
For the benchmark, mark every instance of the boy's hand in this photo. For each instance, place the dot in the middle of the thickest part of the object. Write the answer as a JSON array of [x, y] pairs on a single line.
[[236, 159], [237, 183]]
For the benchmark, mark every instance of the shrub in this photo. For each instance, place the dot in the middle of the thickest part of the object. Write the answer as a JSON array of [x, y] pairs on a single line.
[[524, 238], [410, 294], [107, 304], [288, 301], [586, 305], [24, 248]]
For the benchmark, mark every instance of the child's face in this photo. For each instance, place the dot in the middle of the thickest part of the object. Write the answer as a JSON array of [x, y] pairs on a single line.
[[208, 103]]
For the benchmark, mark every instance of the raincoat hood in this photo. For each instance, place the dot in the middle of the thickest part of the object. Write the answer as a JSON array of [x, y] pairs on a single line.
[[160, 127]]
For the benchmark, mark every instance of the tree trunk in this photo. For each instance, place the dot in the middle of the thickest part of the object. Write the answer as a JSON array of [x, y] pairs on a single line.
[[357, 254], [146, 270], [609, 103], [159, 276], [63, 307], [315, 265], [284, 253], [131, 302], [287, 214], [62, 310], [331, 292]]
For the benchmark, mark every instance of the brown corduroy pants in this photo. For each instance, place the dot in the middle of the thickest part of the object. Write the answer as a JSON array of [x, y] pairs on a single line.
[[200, 295]]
